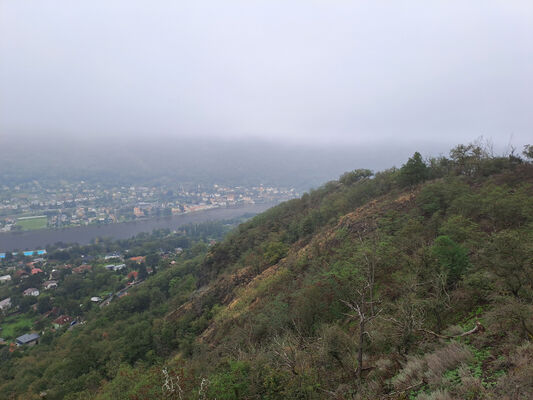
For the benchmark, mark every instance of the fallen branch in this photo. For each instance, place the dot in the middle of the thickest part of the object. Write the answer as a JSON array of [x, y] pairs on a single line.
[[477, 328]]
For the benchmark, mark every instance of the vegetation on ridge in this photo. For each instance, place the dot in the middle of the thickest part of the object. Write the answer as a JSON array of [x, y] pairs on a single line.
[[368, 287]]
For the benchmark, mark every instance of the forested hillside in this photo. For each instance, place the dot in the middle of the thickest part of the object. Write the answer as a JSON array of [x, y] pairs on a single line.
[[410, 283]]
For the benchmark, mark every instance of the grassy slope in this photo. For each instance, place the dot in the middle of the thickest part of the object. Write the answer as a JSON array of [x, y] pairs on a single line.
[[269, 320], [14, 326], [283, 315]]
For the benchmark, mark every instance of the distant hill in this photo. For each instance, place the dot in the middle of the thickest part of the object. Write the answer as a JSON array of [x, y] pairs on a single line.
[[410, 283], [139, 161]]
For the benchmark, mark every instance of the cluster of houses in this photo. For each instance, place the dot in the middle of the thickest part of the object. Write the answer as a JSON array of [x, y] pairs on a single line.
[[22, 274], [30, 279], [17, 272], [80, 203]]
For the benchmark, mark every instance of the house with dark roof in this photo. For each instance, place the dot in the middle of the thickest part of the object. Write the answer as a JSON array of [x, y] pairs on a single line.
[[27, 339]]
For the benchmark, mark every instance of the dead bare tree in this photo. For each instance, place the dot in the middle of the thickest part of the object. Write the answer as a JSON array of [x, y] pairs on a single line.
[[370, 261], [285, 351], [363, 304], [361, 312], [369, 252]]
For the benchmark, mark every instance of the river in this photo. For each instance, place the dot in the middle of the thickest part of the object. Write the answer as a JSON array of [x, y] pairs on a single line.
[[41, 238]]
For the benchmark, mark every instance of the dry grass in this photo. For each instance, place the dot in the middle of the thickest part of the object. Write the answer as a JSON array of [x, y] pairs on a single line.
[[518, 382], [437, 395], [446, 358], [431, 367]]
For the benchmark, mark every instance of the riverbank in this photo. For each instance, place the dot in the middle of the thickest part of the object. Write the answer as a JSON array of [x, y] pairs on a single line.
[[10, 241]]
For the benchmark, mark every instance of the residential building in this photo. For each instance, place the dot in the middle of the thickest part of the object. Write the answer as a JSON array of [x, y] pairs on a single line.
[[61, 321], [5, 304], [49, 285], [31, 292], [82, 268], [27, 339]]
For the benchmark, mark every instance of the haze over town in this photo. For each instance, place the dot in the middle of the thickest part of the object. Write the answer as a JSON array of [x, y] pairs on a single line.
[[216, 104], [300, 73]]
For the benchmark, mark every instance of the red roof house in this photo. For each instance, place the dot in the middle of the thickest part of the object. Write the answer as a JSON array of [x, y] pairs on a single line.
[[20, 273], [133, 274], [62, 320], [82, 268]]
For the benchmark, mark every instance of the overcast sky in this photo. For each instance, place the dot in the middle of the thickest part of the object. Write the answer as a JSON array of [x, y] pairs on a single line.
[[313, 72]]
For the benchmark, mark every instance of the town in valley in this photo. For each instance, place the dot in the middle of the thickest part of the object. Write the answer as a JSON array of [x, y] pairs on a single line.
[[35, 205]]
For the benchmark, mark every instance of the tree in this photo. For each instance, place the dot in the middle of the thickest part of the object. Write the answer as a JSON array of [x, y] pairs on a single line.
[[152, 259], [414, 171], [362, 305], [355, 176], [232, 382], [274, 251], [528, 151], [473, 159], [452, 257], [44, 304], [509, 257], [361, 311], [143, 273]]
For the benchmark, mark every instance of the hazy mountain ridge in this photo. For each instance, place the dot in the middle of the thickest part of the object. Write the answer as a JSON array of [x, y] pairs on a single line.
[[137, 161]]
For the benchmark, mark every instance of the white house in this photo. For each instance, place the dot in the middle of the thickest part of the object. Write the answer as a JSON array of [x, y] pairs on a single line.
[[112, 267], [50, 285], [5, 304], [118, 267], [31, 292]]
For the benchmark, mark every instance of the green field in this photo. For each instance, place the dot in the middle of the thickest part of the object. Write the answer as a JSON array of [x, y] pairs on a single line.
[[15, 326], [32, 223]]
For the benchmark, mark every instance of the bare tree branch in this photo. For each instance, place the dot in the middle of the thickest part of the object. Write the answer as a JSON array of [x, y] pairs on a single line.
[[476, 329]]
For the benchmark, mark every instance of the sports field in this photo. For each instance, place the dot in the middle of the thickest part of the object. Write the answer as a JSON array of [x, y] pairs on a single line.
[[31, 223]]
